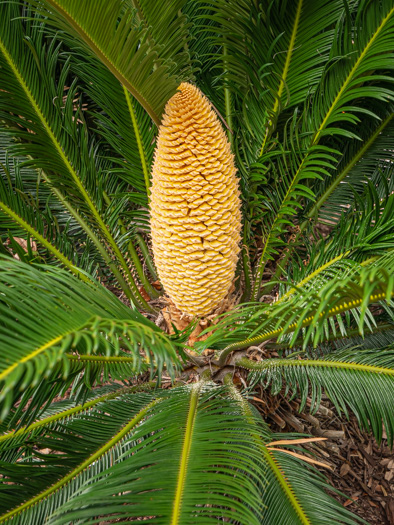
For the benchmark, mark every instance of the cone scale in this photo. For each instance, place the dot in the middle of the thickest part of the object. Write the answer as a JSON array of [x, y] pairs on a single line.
[[195, 207]]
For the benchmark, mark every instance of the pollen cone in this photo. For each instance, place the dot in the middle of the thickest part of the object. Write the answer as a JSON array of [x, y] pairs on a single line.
[[195, 205]]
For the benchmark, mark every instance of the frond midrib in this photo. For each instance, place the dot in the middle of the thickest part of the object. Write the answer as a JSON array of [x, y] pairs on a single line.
[[284, 483], [316, 363], [321, 268], [130, 289], [139, 140], [358, 156], [72, 411], [185, 454], [33, 354], [286, 487], [44, 242]]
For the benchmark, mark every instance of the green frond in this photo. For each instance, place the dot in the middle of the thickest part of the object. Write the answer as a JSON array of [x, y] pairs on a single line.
[[362, 380], [356, 168], [297, 30], [49, 142], [286, 499], [154, 466], [310, 307], [57, 414], [360, 236], [289, 475], [360, 72], [67, 315], [114, 418], [292, 187], [125, 126], [128, 42], [346, 88], [23, 219], [31, 212]]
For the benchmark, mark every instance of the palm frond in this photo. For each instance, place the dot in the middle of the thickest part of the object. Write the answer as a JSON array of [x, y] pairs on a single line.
[[310, 308], [359, 74], [360, 236], [65, 314], [29, 212], [21, 218], [347, 86], [287, 475], [293, 499], [15, 439], [52, 134], [362, 380], [291, 188], [123, 38], [372, 162], [206, 432], [126, 127]]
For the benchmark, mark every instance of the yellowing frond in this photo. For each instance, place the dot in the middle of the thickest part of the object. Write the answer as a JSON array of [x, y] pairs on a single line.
[[195, 205]]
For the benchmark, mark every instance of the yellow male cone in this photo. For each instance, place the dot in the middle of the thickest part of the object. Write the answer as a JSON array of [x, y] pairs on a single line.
[[195, 205]]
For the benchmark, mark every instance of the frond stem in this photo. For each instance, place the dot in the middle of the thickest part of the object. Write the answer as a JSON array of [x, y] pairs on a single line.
[[350, 75], [359, 155], [228, 101], [349, 334], [313, 274], [73, 174], [286, 487], [35, 352], [147, 256], [105, 59], [96, 241], [39, 238], [284, 483]]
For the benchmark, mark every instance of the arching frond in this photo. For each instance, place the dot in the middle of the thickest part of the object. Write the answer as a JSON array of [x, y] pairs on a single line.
[[311, 307], [361, 236], [288, 475], [62, 314], [362, 380], [370, 161], [147, 465], [129, 42], [347, 87], [54, 141], [29, 214]]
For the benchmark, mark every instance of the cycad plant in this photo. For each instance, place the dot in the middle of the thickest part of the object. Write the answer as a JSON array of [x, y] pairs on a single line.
[[107, 416]]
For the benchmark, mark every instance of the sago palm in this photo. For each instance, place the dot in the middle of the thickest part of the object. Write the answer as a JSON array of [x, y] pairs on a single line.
[[277, 119]]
